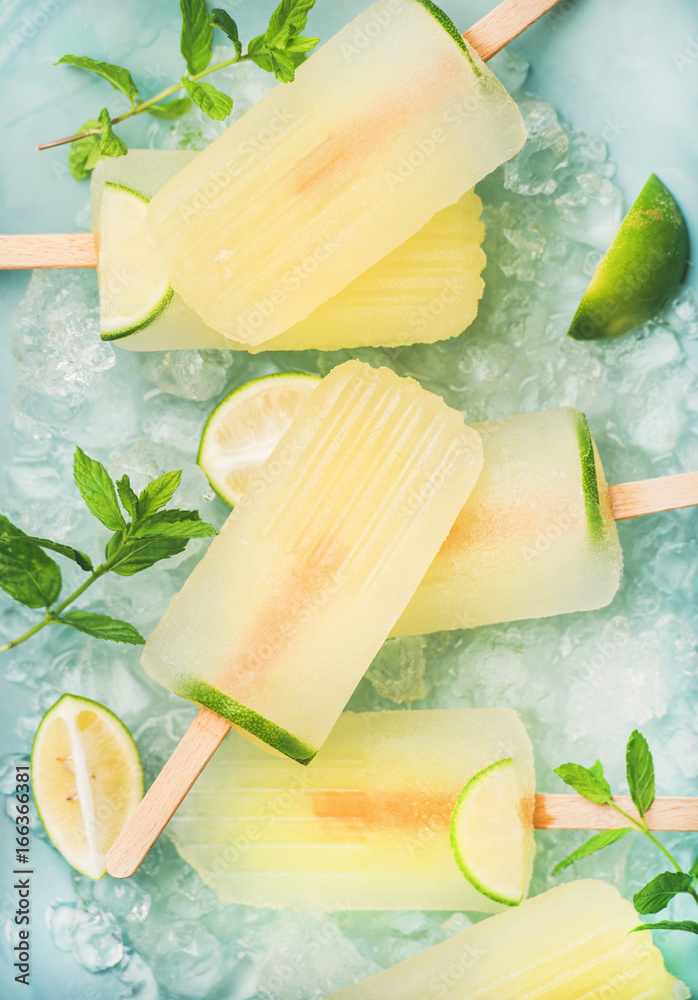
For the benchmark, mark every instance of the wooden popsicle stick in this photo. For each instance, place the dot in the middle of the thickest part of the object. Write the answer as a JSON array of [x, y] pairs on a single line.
[[572, 812], [650, 496], [505, 23], [190, 757], [21, 253]]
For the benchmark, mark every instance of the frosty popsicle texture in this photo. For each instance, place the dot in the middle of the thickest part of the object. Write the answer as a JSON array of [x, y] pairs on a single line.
[[386, 124], [536, 537], [426, 289], [570, 943], [293, 599], [365, 827]]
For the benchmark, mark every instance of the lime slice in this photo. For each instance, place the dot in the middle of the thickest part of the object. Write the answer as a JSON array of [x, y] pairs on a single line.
[[641, 270], [87, 780], [246, 426], [133, 285], [492, 833]]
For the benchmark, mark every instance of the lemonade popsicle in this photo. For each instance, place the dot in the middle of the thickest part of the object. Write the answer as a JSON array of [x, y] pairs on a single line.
[[426, 289], [536, 537], [367, 825], [280, 619], [572, 942], [389, 122]]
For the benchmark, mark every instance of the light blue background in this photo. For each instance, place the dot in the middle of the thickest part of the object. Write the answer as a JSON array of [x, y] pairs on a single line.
[[625, 70]]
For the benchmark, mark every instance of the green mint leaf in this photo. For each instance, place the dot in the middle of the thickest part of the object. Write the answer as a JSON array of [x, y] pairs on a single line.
[[300, 43], [197, 35], [85, 153], [111, 144], [283, 65], [212, 102], [660, 891], [640, 772], [10, 530], [170, 109], [158, 493], [222, 19], [140, 553], [288, 20], [596, 843], [669, 925], [128, 498], [175, 524], [119, 78], [27, 574], [693, 870], [102, 627], [97, 490], [589, 782]]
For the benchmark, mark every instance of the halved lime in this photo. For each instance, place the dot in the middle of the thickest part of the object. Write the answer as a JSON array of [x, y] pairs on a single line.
[[133, 284], [87, 780], [492, 833], [246, 426], [641, 270]]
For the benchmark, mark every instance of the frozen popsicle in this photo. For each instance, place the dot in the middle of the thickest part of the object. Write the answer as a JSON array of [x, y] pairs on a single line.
[[389, 122], [572, 942], [280, 619], [537, 536], [367, 825], [426, 289]]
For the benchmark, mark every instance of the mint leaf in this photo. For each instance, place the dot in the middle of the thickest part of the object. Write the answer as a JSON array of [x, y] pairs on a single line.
[[212, 102], [111, 144], [127, 496], [85, 153], [158, 493], [288, 20], [669, 925], [222, 19], [640, 772], [141, 553], [596, 843], [589, 782], [97, 490], [660, 891], [170, 109], [175, 524], [103, 627], [119, 78], [10, 530], [27, 574], [196, 42], [693, 870]]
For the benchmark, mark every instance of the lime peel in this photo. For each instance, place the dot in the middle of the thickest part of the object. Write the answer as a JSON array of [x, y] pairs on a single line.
[[641, 270]]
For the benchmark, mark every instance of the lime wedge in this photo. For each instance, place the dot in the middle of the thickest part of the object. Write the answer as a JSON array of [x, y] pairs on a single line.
[[133, 284], [641, 270], [87, 779], [492, 833], [246, 426]]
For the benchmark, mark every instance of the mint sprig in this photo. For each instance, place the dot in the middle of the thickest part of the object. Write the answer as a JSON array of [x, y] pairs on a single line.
[[590, 783], [280, 50], [144, 532]]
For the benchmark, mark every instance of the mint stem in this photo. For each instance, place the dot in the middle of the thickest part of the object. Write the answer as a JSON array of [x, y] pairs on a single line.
[[141, 108], [52, 613]]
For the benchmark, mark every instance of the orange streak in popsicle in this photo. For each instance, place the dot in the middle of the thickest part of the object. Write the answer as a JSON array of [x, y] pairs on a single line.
[[408, 808]]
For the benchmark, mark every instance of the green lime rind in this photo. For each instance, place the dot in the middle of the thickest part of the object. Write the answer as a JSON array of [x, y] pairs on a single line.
[[246, 718], [590, 481], [201, 456], [449, 27], [106, 711], [453, 835], [162, 304], [150, 318], [641, 270]]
